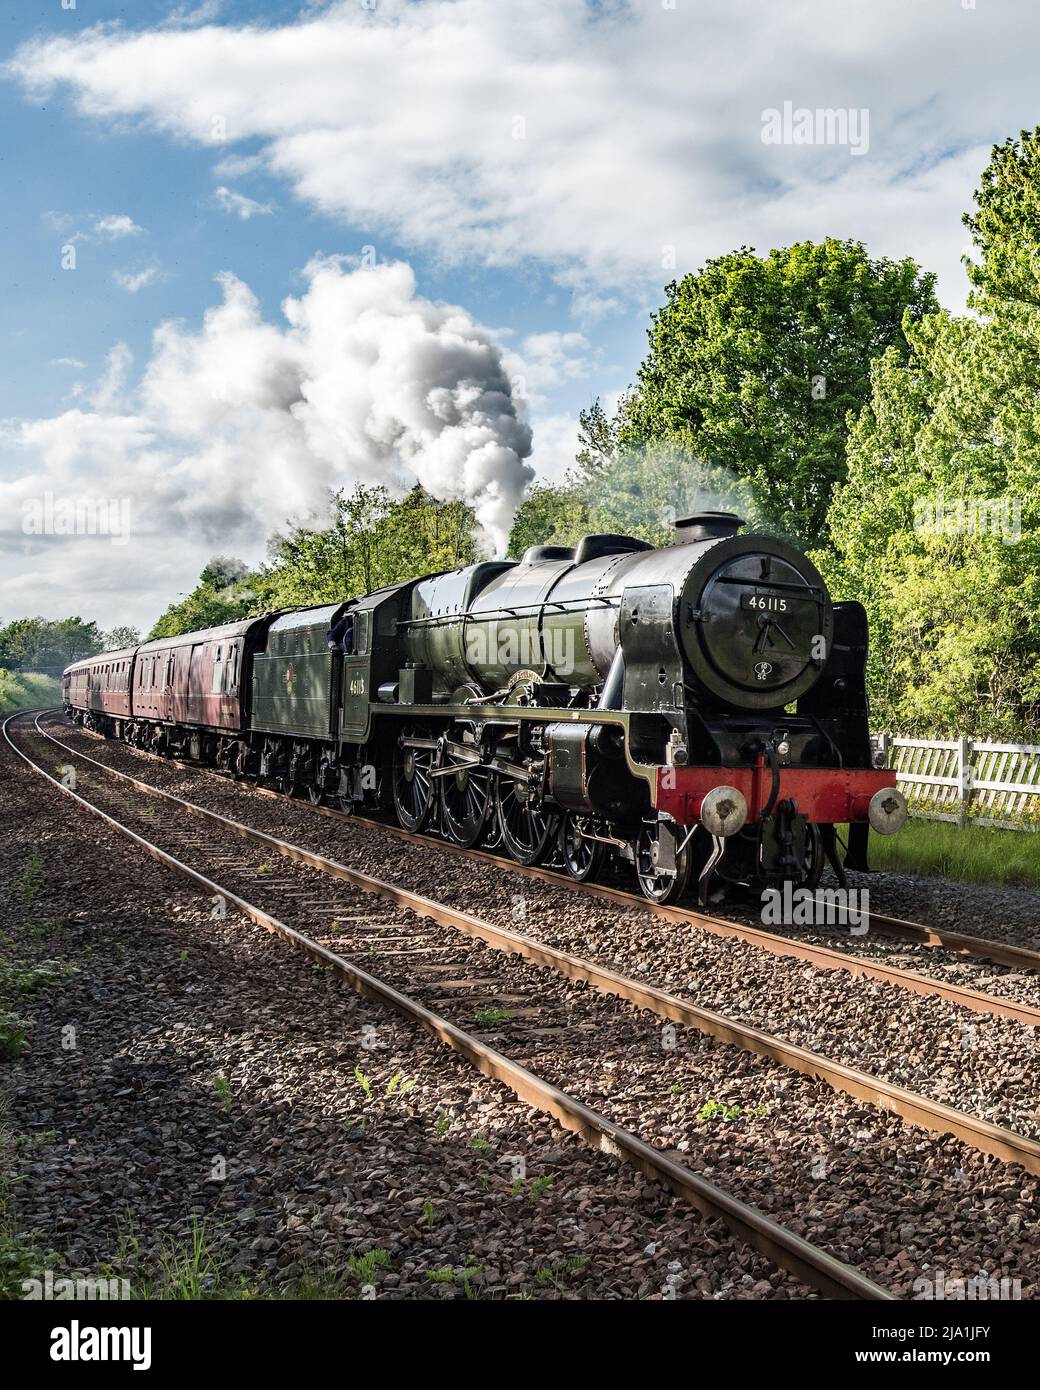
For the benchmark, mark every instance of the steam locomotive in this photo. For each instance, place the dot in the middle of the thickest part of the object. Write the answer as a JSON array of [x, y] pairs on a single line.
[[698, 710]]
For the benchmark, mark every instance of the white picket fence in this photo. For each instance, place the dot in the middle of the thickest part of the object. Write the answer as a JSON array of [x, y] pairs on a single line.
[[966, 781]]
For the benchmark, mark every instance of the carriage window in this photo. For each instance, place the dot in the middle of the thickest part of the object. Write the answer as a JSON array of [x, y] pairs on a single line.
[[361, 633], [218, 670]]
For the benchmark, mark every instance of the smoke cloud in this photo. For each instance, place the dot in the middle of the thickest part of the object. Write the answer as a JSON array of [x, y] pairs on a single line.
[[368, 381], [240, 423]]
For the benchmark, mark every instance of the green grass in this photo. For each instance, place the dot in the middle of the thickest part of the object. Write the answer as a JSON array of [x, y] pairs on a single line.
[[464, 1275], [364, 1266], [14, 1035], [222, 1086], [20, 1257], [21, 979], [190, 1268], [17, 977], [29, 879], [972, 854], [491, 1018], [21, 691], [719, 1110]]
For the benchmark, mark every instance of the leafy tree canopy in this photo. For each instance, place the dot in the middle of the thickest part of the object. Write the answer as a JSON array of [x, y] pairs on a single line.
[[743, 399], [219, 597], [755, 363], [39, 644], [372, 539], [936, 529], [121, 637]]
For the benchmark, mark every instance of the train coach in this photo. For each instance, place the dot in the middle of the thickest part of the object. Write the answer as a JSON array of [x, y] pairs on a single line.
[[697, 710]]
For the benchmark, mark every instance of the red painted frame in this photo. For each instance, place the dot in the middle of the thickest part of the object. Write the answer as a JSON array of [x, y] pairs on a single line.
[[824, 795]]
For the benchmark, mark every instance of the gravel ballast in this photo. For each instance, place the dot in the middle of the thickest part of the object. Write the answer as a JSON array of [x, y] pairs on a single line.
[[986, 1065], [881, 1194], [212, 1079]]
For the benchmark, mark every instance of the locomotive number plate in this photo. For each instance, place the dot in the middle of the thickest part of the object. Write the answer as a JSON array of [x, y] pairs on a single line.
[[770, 603]]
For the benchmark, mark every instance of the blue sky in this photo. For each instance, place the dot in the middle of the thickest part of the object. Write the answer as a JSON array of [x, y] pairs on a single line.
[[546, 166], [56, 163]]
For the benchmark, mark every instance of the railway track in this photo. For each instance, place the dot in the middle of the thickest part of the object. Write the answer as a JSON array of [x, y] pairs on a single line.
[[916, 1109], [408, 938], [819, 957], [820, 1269]]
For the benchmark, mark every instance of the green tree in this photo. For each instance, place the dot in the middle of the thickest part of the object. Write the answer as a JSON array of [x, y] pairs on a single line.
[[40, 644], [224, 594], [121, 637], [372, 539], [638, 492], [755, 363], [549, 515], [936, 528], [224, 572]]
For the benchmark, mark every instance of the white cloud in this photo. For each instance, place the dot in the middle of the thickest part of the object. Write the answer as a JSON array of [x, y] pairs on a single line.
[[185, 15], [552, 358], [116, 225], [242, 422], [135, 280], [238, 205], [237, 166], [615, 144], [67, 362], [60, 222], [109, 392]]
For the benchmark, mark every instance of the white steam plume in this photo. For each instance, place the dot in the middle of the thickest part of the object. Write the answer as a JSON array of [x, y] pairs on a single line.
[[368, 382], [243, 423]]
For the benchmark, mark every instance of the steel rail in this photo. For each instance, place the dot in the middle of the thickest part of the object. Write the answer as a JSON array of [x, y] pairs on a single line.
[[916, 1109], [808, 1262], [958, 943]]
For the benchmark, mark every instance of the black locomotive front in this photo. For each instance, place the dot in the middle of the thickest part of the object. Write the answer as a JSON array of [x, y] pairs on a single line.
[[696, 678]]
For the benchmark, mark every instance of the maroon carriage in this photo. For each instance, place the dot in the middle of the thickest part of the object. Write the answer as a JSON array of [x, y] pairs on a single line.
[[96, 690], [198, 681]]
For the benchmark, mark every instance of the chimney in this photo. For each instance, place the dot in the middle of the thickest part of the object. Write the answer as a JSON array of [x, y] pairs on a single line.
[[708, 526]]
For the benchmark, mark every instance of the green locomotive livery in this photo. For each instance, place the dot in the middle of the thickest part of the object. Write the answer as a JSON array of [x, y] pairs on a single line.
[[696, 710]]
